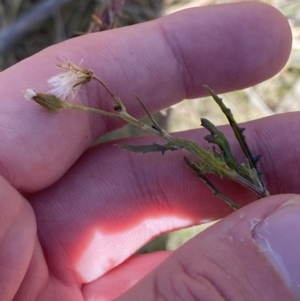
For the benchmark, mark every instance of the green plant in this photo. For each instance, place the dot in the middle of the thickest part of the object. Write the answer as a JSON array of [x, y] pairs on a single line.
[[218, 161]]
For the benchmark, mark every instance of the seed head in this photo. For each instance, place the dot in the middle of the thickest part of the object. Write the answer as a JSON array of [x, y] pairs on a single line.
[[69, 82], [48, 101]]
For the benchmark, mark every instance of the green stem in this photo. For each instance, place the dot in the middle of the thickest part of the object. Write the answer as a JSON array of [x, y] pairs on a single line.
[[89, 109], [194, 166]]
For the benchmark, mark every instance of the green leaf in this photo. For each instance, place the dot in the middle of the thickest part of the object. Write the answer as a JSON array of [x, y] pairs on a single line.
[[218, 138]]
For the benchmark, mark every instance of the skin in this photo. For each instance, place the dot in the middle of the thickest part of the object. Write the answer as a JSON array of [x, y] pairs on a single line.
[[70, 213]]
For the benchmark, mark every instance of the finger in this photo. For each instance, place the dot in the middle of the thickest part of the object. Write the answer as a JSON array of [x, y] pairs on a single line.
[[125, 199], [17, 239], [119, 200], [226, 46], [120, 279], [252, 254]]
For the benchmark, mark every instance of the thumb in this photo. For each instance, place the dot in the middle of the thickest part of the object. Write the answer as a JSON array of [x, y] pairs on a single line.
[[253, 254]]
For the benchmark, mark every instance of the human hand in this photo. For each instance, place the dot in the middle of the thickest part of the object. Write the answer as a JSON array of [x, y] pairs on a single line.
[[70, 214]]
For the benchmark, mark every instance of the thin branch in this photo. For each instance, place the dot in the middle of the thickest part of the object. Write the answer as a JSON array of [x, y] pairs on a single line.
[[215, 190]]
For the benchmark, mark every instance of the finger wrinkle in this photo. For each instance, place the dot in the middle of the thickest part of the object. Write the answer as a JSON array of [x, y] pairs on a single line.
[[186, 283]]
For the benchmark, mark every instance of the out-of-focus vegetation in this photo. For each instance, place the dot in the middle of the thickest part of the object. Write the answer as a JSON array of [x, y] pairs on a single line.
[[277, 95]]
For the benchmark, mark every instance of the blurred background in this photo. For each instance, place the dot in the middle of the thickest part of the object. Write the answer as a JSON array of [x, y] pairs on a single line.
[[28, 26]]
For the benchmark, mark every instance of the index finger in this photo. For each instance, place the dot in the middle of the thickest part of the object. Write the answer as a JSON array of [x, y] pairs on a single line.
[[227, 47]]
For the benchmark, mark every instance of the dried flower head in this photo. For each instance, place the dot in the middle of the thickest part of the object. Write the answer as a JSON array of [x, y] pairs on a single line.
[[69, 82], [49, 102]]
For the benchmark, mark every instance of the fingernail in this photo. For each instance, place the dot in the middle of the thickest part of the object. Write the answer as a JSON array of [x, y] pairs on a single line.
[[278, 235]]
